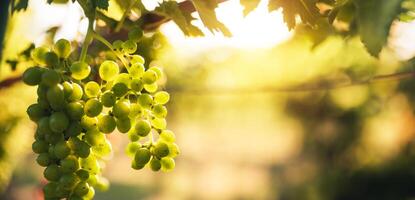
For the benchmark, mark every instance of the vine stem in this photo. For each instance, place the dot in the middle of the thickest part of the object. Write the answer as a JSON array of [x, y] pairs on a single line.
[[109, 45], [88, 39], [124, 16]]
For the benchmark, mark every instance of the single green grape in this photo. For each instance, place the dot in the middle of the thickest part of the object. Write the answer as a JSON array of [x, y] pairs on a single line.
[[117, 44], [52, 172], [102, 183], [40, 146], [61, 150], [32, 76], [92, 89], [69, 164], [167, 136], [119, 89], [132, 148], [43, 103], [35, 112], [135, 110], [173, 150], [151, 88], [142, 127], [81, 149], [161, 97], [58, 122], [103, 149], [108, 99], [80, 70], [135, 34], [137, 85], [158, 123], [90, 194], [67, 88], [89, 123], [137, 70], [106, 123], [108, 70], [75, 110], [82, 174], [69, 181], [155, 164], [149, 77], [56, 97], [49, 190], [43, 159], [81, 189], [50, 78], [145, 100], [93, 107], [62, 47], [41, 91], [93, 137], [142, 156], [123, 78], [161, 150], [123, 124], [137, 59], [129, 47], [167, 164], [132, 135], [158, 71], [121, 108], [38, 55], [77, 92], [74, 129], [43, 125], [90, 164], [51, 59], [54, 138], [159, 111]]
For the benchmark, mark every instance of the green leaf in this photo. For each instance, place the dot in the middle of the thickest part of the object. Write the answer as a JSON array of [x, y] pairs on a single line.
[[18, 5], [249, 5], [171, 10], [102, 4], [206, 10], [306, 9], [374, 19]]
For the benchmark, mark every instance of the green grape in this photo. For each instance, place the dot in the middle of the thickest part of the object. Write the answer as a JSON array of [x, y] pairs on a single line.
[[137, 70], [40, 146], [50, 78], [43, 159], [135, 34], [135, 110], [161, 149], [61, 150], [35, 112], [102, 183], [90, 164], [102, 149], [82, 174], [92, 180], [51, 59], [58, 122], [132, 148], [108, 99], [81, 189], [129, 47], [159, 111], [90, 194], [93, 107], [151, 87], [137, 85], [92, 89], [137, 59], [56, 97], [108, 70], [155, 164], [68, 181], [43, 125], [32, 76], [82, 149], [41, 91], [136, 166], [77, 92], [142, 128], [74, 129], [69, 164], [145, 100], [106, 123], [43, 103], [74, 197], [39, 135], [89, 122], [67, 88], [142, 156], [52, 172], [54, 138], [80, 70], [75, 110], [51, 152], [94, 137], [158, 123], [62, 47], [61, 191], [132, 135], [158, 71], [173, 150], [161, 97], [149, 77], [167, 164], [49, 190], [123, 78], [117, 44], [167, 136], [38, 55], [121, 109], [123, 124], [119, 89]]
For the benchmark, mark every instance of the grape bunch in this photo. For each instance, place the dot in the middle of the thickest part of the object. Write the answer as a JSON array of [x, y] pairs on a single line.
[[78, 105]]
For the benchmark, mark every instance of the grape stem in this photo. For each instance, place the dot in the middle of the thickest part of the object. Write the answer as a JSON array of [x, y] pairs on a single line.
[[124, 16], [88, 40], [109, 45]]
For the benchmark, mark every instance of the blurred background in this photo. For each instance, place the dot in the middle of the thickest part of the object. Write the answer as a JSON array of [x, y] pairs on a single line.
[[242, 134]]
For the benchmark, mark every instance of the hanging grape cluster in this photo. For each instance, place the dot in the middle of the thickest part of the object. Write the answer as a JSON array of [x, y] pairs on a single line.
[[78, 105]]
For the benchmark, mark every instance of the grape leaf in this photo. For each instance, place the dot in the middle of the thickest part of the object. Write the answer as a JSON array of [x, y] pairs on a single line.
[[306, 9], [18, 5], [102, 4], [249, 5], [374, 19], [206, 10], [182, 19]]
